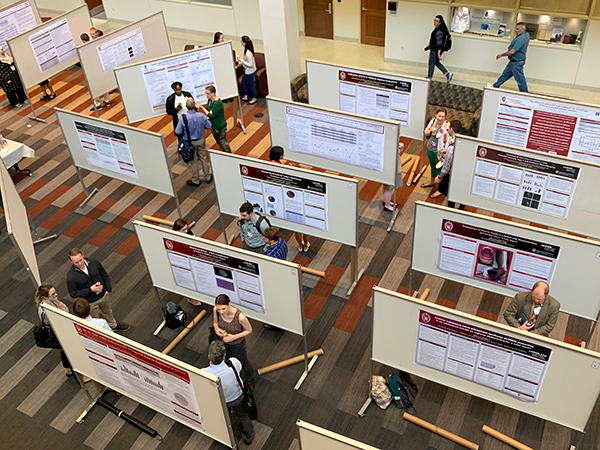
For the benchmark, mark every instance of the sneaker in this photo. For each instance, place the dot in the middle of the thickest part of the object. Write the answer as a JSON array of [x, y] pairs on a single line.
[[191, 301], [191, 183], [489, 85], [106, 103], [121, 326], [449, 76], [18, 105], [210, 180], [96, 108]]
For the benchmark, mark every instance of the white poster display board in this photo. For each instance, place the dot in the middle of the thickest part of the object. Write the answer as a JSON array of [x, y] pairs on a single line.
[[290, 197], [17, 18], [263, 288], [373, 94], [506, 257], [540, 123], [542, 188], [311, 437], [121, 50], [495, 349], [171, 387], [52, 45]]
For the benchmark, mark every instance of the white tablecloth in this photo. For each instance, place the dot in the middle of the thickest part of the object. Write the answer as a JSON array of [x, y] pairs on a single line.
[[14, 152]]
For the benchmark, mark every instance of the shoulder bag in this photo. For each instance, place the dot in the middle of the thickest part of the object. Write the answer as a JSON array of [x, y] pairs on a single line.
[[186, 149], [249, 401], [44, 336]]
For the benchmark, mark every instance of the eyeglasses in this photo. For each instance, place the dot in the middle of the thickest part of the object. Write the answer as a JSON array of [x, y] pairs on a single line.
[[54, 295]]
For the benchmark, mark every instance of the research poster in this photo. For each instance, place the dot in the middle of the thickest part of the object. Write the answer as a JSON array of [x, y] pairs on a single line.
[[156, 382], [121, 50], [15, 20], [514, 262], [336, 138], [52, 45], [194, 71], [552, 127], [375, 96], [212, 273], [287, 197], [499, 362], [106, 148], [528, 183]]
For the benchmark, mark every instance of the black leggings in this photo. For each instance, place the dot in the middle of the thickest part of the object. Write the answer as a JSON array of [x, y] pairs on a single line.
[[239, 351], [65, 361]]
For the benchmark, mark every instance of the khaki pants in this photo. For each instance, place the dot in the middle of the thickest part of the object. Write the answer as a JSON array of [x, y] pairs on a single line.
[[199, 158], [102, 309]]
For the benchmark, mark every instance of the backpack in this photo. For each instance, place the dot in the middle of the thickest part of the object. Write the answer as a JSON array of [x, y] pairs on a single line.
[[259, 222], [403, 389], [447, 44]]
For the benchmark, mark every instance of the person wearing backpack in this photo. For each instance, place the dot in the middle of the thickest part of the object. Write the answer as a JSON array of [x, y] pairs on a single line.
[[439, 42], [252, 225]]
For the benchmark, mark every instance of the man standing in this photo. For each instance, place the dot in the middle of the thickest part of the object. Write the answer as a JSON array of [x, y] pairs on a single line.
[[88, 279], [196, 124], [175, 104], [252, 226], [276, 247], [517, 52], [533, 311], [232, 390], [216, 114]]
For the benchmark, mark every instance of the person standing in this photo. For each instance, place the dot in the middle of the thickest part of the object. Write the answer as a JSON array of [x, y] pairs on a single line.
[[438, 139], [516, 53], [538, 310], [10, 81], [82, 308], [195, 123], [276, 247], [234, 397], [175, 104], [249, 64], [436, 48], [216, 114], [252, 226], [218, 38], [443, 179], [87, 279]]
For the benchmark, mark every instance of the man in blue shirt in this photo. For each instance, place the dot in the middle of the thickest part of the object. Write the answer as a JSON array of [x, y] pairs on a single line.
[[197, 123], [516, 53], [276, 247]]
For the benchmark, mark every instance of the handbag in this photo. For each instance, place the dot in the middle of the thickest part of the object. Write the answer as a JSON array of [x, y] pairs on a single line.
[[175, 317], [44, 337], [249, 402], [186, 149]]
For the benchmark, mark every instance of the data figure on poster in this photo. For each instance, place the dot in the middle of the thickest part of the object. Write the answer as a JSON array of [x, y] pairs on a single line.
[[336, 138], [135, 372], [213, 273], [15, 20], [193, 70], [121, 50], [286, 197], [375, 96], [52, 45], [491, 359], [106, 148], [488, 255], [528, 183]]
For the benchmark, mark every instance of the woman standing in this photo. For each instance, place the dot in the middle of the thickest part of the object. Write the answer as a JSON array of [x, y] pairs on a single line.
[[219, 38], [10, 82], [233, 326], [437, 137], [436, 48], [216, 115], [444, 177], [249, 64]]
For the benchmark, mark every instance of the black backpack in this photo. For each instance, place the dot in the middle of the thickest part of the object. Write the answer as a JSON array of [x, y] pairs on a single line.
[[260, 220], [447, 44], [403, 389]]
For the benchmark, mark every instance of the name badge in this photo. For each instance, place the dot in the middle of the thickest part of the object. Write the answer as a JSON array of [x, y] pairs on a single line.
[[537, 310]]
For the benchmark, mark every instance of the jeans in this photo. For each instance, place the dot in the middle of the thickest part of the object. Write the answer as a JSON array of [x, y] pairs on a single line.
[[239, 351], [435, 62], [513, 69], [248, 83]]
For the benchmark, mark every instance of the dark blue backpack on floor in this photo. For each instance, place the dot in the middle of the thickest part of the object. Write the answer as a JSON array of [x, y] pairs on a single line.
[[403, 389]]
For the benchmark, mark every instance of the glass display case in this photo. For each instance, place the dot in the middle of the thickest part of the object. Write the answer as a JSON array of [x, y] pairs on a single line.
[[482, 22], [553, 29]]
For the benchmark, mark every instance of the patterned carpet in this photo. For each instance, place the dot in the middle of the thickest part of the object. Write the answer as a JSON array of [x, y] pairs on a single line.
[[39, 405]]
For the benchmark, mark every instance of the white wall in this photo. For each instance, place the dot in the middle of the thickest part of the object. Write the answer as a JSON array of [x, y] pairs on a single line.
[[57, 5], [346, 20], [589, 67]]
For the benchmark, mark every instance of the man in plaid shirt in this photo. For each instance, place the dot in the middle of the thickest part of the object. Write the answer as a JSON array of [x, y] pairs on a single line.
[[276, 247]]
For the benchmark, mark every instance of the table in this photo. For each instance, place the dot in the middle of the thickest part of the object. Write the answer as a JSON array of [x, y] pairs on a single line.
[[14, 152]]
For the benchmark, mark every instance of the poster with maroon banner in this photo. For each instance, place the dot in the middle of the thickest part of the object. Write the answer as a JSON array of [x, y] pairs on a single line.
[[525, 182], [511, 261], [154, 381], [212, 273], [555, 127], [500, 362]]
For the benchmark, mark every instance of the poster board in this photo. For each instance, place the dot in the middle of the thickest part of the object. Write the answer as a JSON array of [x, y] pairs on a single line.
[[546, 124], [534, 186], [17, 224], [140, 158], [263, 288], [145, 86], [312, 196], [396, 319], [16, 19], [171, 387], [54, 43], [312, 437], [370, 93], [144, 39], [571, 264], [341, 142]]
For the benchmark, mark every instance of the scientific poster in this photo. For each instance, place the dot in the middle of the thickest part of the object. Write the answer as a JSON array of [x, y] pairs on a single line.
[[106, 148], [15, 20], [212, 273], [511, 261], [52, 45], [121, 50], [348, 141], [286, 197], [156, 382], [525, 182], [499, 362]]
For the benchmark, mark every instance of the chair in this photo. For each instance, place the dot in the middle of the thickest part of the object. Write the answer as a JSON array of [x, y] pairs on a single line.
[[260, 77]]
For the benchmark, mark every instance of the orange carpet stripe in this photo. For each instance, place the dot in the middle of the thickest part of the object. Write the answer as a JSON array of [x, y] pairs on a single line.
[[111, 229], [90, 218], [487, 315], [253, 141], [356, 304], [571, 340], [321, 292], [35, 186], [211, 234], [63, 213], [63, 103], [447, 303], [127, 245], [369, 191], [47, 200], [402, 290]]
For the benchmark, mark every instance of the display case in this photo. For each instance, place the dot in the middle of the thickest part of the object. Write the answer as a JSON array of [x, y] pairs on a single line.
[[553, 29], [482, 22]]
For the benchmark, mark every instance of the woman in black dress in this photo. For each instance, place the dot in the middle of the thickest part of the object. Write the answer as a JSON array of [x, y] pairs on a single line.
[[10, 82]]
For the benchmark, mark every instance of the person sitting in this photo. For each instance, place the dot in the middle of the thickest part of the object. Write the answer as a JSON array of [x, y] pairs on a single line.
[[534, 311], [276, 247], [81, 308]]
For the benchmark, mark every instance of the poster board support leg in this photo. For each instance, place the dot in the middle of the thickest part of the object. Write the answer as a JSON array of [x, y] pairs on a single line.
[[238, 118], [307, 366], [34, 117], [178, 206], [223, 228], [87, 194], [409, 282], [353, 271], [37, 236], [24, 261], [395, 211], [361, 411], [90, 397], [162, 312]]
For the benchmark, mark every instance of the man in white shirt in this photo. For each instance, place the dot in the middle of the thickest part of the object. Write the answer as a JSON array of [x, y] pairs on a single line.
[[81, 308], [231, 387]]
